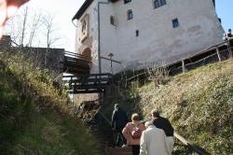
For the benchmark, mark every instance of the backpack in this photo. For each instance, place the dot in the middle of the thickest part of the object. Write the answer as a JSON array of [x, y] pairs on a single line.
[[136, 133]]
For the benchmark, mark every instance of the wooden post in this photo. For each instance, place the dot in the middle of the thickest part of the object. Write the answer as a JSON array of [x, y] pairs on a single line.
[[183, 66], [182, 139], [229, 47], [219, 57]]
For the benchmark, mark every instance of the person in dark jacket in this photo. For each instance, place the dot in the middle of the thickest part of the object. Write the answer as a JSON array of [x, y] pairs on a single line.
[[163, 123], [119, 120], [228, 35]]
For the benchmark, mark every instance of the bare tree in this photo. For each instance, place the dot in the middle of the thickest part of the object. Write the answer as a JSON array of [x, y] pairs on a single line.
[[50, 30], [50, 33], [35, 24], [158, 74], [33, 27], [25, 16]]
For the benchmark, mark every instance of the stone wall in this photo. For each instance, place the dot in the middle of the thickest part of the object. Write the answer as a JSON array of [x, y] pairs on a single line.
[[45, 58]]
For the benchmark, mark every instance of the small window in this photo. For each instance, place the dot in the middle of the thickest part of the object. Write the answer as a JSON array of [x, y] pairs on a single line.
[[175, 23], [84, 27], [137, 33], [112, 21], [159, 3], [130, 14], [127, 1]]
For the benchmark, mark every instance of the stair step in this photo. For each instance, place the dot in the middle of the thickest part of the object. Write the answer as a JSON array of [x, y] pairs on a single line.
[[119, 151]]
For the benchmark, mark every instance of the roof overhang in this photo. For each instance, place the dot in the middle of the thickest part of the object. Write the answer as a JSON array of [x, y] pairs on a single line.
[[82, 9]]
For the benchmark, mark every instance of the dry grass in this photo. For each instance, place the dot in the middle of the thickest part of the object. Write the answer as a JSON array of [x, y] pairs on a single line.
[[199, 104], [35, 117]]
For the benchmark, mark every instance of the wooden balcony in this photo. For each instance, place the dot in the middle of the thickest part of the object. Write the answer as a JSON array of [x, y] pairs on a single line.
[[76, 64]]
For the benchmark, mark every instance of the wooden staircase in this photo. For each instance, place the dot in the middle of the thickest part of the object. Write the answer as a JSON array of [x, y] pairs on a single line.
[[119, 151], [90, 83], [80, 80]]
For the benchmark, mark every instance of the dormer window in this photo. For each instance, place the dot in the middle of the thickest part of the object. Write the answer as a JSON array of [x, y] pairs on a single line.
[[129, 14]]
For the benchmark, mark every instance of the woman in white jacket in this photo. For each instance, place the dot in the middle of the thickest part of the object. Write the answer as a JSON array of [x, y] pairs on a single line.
[[153, 141]]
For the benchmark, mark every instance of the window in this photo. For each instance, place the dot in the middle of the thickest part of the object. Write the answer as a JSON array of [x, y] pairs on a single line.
[[130, 14], [112, 21], [127, 1], [84, 28], [137, 33], [175, 23], [159, 3]]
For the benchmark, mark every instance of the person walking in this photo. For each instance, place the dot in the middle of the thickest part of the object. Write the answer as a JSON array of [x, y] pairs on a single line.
[[153, 141], [118, 122], [163, 123], [132, 132], [228, 35]]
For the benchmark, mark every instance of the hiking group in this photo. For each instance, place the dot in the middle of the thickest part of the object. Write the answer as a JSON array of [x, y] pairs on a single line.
[[152, 137]]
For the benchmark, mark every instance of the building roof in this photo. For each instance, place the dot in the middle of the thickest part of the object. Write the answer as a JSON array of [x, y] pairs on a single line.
[[82, 9]]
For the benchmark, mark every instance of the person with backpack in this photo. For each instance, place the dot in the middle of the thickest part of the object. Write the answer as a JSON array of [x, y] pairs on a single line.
[[118, 122], [132, 132]]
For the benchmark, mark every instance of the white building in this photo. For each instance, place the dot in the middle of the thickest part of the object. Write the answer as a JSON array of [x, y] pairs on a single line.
[[141, 32]]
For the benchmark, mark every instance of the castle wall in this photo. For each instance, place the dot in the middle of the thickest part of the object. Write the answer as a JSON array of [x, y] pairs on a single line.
[[157, 40]]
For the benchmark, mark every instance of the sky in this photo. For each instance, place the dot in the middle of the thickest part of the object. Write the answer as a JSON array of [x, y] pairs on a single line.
[[225, 12], [64, 10]]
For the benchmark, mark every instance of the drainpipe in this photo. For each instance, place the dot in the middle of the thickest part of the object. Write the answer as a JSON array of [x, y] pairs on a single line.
[[99, 54]]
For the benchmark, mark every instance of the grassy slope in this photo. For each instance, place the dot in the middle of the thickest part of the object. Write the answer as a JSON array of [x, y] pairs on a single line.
[[34, 117], [199, 104]]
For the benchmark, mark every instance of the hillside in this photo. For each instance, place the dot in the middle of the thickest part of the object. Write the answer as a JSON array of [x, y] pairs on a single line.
[[199, 104], [36, 118]]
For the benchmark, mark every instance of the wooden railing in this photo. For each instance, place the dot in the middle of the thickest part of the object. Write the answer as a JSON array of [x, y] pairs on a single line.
[[215, 53], [190, 146], [90, 83]]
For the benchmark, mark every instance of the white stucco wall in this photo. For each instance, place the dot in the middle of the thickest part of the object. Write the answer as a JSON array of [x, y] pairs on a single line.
[[158, 40]]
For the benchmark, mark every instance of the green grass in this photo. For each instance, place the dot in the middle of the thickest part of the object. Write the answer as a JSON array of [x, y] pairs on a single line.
[[35, 118], [199, 104]]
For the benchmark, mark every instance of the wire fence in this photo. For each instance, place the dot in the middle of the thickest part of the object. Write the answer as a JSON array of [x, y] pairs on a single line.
[[213, 54]]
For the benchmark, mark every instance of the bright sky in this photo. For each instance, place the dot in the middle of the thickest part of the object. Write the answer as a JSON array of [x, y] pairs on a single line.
[[225, 12], [66, 9]]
